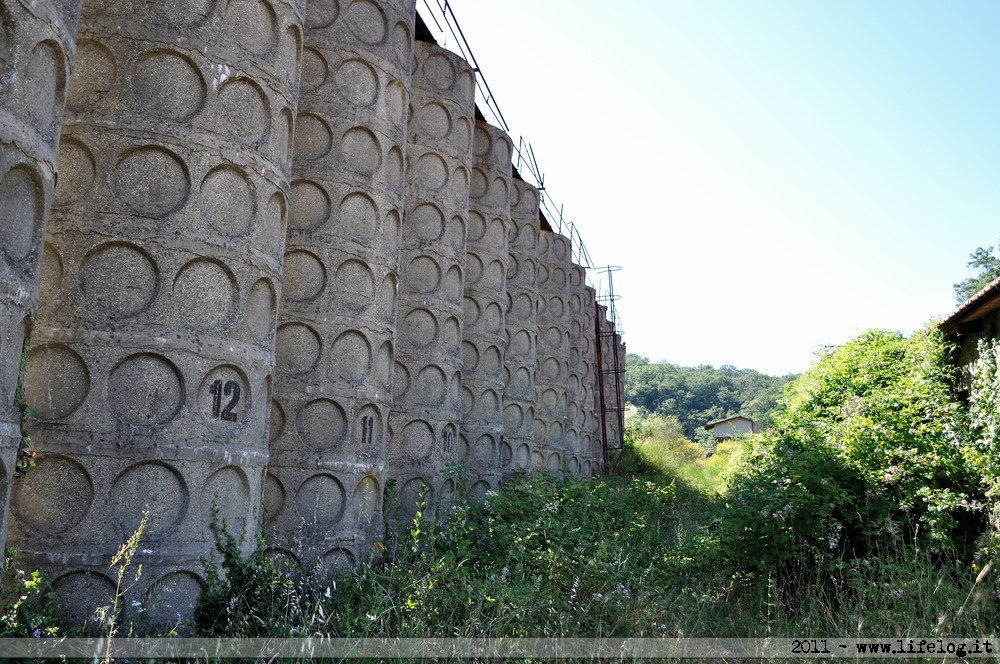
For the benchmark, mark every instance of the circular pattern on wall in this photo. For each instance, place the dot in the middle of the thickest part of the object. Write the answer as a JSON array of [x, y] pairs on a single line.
[[145, 196], [417, 440], [168, 84], [352, 357], [297, 349], [40, 508], [145, 390], [355, 286], [205, 294], [358, 82], [322, 424], [243, 112], [304, 276], [361, 151], [229, 200], [366, 20], [152, 487], [313, 137], [57, 381], [119, 279], [320, 501], [22, 200], [93, 75], [358, 218], [77, 171]]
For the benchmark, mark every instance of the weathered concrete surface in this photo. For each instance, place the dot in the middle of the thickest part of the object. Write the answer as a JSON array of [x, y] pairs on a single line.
[[592, 456], [423, 424], [337, 320], [576, 411], [484, 320], [37, 50], [522, 330], [552, 363], [151, 367]]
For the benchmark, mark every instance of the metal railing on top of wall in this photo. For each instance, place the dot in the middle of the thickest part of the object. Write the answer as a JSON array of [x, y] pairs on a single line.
[[443, 23]]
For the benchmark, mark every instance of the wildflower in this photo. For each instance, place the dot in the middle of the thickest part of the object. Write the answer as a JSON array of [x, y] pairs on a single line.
[[600, 596], [897, 594], [663, 627], [37, 633]]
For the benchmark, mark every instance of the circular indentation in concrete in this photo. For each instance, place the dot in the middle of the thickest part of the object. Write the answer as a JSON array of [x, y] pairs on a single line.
[[22, 200], [224, 399], [426, 222], [366, 20], [553, 463], [481, 141], [495, 277], [455, 231], [401, 44], [93, 75], [468, 402], [415, 492], [171, 596], [552, 337], [476, 227], [478, 186], [297, 349], [484, 451], [431, 385], [452, 335], [355, 285], [145, 390], [321, 13], [276, 421], [419, 328], [385, 301], [422, 275], [383, 365], [491, 363], [440, 72], [243, 113], [229, 201], [473, 269], [454, 287], [522, 456], [77, 170], [260, 311], [152, 487], [502, 149], [574, 466], [362, 151], [549, 401], [80, 594], [551, 369], [358, 218], [144, 194], [431, 172], [315, 69], [52, 269], [395, 102], [310, 206], [333, 560], [118, 279], [513, 418], [521, 344], [182, 12], [488, 406], [226, 496], [521, 383], [470, 357], [57, 381], [313, 137], [322, 424], [394, 170], [543, 275], [168, 84], [434, 121], [255, 23], [274, 496], [352, 357], [54, 497], [358, 81], [367, 499], [556, 308], [417, 440], [205, 294], [304, 276], [499, 192], [368, 430], [320, 501], [470, 313]]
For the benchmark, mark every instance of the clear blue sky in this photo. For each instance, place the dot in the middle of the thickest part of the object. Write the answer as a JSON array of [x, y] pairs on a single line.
[[773, 176]]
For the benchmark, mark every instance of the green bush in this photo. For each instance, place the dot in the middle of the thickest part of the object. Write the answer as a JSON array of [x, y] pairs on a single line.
[[871, 441]]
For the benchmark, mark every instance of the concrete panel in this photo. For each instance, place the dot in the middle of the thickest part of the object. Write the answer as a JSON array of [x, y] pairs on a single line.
[[590, 444], [576, 412], [37, 50], [326, 475], [518, 440], [151, 367], [484, 326], [423, 424], [552, 360]]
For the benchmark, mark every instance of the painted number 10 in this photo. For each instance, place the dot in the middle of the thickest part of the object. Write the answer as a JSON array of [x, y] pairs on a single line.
[[232, 390]]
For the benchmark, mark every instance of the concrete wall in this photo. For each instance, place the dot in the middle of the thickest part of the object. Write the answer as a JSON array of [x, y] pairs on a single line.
[[337, 325], [235, 315], [552, 360], [522, 330], [424, 422], [484, 309], [37, 50], [150, 369]]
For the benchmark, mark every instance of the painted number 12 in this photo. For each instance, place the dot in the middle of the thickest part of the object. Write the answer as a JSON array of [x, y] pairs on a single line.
[[232, 390]]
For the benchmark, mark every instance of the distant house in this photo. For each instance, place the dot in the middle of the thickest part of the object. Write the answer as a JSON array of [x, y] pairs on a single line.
[[977, 317], [731, 427]]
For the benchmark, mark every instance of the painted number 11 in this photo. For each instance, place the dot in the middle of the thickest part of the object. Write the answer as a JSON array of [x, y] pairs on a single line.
[[232, 390]]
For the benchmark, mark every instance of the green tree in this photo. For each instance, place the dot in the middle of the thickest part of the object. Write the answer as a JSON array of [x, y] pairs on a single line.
[[989, 269]]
